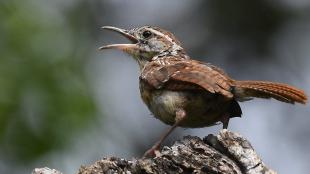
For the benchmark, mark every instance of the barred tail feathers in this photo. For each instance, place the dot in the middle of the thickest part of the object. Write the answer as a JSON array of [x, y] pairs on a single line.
[[262, 89]]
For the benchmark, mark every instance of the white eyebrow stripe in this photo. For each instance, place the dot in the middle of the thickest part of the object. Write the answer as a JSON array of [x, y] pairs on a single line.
[[175, 45], [161, 34]]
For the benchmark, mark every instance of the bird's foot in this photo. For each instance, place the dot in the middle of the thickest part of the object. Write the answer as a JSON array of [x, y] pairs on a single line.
[[152, 152]]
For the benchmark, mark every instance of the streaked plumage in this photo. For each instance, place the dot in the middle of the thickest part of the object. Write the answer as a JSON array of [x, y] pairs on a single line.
[[184, 92]]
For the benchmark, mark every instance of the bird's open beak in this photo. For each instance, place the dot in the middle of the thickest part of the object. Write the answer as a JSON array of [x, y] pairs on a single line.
[[123, 47]]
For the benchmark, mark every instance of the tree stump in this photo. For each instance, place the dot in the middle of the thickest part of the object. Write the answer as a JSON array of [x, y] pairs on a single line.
[[226, 153]]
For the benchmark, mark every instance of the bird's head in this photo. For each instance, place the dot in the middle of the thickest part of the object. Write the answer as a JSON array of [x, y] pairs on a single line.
[[147, 43]]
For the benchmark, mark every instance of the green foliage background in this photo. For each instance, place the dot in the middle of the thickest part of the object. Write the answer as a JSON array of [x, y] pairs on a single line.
[[44, 96], [61, 101]]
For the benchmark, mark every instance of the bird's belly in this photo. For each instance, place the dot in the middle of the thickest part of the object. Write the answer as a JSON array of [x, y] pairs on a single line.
[[201, 110]]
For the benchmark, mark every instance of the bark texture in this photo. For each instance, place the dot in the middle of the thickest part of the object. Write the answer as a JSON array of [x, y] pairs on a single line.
[[225, 153]]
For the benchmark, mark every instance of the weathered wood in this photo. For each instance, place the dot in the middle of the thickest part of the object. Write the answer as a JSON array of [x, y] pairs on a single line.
[[226, 153], [45, 170]]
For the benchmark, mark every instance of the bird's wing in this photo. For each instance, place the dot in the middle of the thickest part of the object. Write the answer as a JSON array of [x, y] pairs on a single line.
[[186, 75]]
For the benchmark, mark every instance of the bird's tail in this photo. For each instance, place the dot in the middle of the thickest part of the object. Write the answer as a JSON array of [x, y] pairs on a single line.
[[261, 89]]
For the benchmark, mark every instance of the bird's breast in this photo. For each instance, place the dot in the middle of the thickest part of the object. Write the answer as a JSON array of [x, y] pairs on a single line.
[[202, 109]]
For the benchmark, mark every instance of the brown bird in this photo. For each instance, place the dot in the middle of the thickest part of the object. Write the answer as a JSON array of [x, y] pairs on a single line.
[[184, 92]]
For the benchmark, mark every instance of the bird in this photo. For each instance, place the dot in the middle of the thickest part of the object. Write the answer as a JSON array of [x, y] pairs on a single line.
[[184, 92]]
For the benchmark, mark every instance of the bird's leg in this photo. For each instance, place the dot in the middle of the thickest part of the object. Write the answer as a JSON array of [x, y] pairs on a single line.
[[225, 120], [180, 115]]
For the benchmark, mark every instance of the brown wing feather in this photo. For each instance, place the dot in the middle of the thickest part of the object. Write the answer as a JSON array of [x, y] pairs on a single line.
[[186, 75]]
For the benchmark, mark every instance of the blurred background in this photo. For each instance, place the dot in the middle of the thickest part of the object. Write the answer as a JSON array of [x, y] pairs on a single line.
[[63, 103]]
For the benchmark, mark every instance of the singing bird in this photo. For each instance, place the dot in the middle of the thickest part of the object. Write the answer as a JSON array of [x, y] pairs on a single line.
[[184, 92]]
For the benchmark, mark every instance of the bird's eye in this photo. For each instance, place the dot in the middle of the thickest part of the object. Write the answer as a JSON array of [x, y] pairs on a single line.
[[146, 34]]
